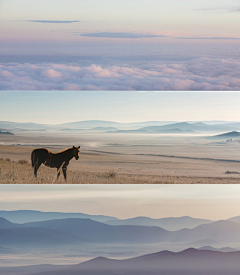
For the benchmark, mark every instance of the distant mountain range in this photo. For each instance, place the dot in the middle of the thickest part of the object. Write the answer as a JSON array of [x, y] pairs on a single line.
[[171, 224], [28, 125], [24, 216], [148, 130], [185, 126], [137, 127], [213, 254], [229, 135], [75, 230], [188, 262]]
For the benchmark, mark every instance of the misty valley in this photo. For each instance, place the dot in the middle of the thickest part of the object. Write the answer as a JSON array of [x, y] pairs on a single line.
[[34, 242]]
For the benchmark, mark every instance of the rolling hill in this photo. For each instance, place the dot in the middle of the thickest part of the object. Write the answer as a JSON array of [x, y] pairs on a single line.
[[24, 216], [92, 231], [171, 224], [190, 261], [35, 237], [229, 135], [6, 133], [86, 230]]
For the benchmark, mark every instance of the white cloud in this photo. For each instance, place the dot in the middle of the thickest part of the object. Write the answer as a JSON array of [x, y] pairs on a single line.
[[50, 73], [197, 74]]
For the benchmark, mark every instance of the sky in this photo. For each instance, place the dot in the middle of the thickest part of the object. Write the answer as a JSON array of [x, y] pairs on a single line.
[[119, 45], [57, 107], [214, 202]]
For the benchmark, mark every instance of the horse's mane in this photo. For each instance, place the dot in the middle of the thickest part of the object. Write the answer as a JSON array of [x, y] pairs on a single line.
[[67, 149]]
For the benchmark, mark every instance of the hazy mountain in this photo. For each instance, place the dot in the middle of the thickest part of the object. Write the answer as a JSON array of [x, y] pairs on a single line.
[[234, 219], [92, 231], [6, 133], [220, 231], [190, 261], [171, 224], [148, 130], [196, 127], [87, 230], [88, 124], [127, 131], [29, 125], [199, 124], [35, 237], [180, 125], [5, 224], [231, 124], [223, 249], [23, 216], [149, 126], [229, 135]]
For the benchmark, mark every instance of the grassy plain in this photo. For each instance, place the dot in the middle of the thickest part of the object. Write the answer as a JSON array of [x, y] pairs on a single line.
[[124, 159]]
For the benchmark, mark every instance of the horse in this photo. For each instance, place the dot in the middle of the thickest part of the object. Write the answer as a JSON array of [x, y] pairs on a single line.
[[60, 160]]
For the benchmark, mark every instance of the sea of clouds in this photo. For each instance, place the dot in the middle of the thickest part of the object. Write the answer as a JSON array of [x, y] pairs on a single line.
[[202, 73]]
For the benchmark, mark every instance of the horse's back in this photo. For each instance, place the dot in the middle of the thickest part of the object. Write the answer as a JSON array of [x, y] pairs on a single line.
[[39, 155], [40, 152]]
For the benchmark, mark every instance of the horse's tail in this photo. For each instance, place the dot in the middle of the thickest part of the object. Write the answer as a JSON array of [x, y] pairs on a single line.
[[33, 158]]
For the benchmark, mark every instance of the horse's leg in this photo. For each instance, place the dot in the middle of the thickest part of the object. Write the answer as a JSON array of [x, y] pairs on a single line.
[[64, 169], [58, 172], [36, 166]]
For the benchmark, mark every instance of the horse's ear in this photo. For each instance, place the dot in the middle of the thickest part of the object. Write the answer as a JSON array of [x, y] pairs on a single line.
[[78, 147], [73, 146]]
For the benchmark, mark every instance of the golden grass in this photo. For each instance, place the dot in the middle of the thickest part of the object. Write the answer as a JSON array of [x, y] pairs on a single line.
[[21, 172]]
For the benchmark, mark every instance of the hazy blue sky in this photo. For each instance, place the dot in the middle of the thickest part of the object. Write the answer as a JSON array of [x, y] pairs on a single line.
[[126, 201], [54, 107], [119, 45]]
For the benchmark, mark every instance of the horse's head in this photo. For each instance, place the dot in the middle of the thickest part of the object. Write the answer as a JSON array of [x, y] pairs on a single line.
[[76, 151]]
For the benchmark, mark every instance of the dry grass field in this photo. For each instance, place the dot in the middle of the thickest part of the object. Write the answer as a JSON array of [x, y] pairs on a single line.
[[124, 160], [21, 172]]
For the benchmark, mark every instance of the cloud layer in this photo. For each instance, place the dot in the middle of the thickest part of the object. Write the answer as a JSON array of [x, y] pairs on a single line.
[[197, 74], [120, 35]]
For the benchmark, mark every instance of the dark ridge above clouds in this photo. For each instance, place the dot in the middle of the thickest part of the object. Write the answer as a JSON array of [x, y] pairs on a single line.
[[120, 35], [53, 21]]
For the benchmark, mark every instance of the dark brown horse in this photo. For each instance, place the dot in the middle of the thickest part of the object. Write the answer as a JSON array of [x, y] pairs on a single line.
[[59, 160]]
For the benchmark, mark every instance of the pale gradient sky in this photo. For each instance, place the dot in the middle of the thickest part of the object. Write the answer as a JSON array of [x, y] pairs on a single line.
[[125, 201], [120, 45], [54, 107], [185, 18]]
